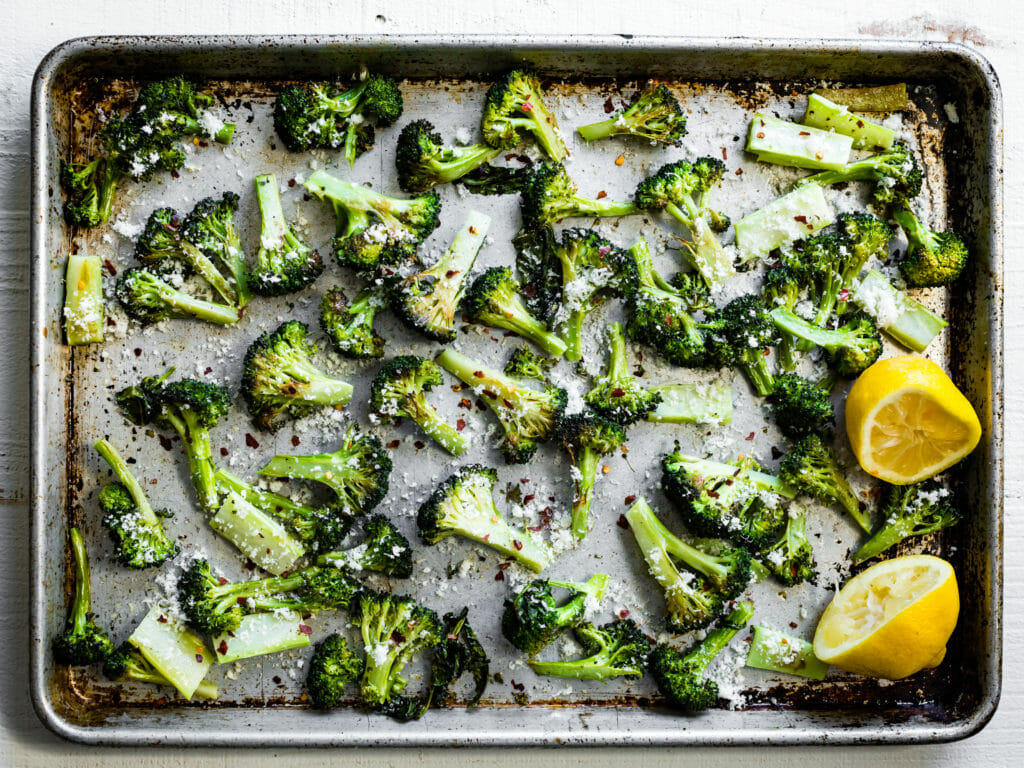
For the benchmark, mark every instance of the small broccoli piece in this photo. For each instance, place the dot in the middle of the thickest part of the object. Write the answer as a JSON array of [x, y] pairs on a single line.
[[734, 500], [534, 618], [84, 310], [174, 108], [284, 264], [423, 160], [908, 511], [743, 337], [212, 605], [463, 505], [494, 299], [161, 242], [791, 558], [539, 270], [618, 649], [895, 171], [394, 630], [527, 417], [587, 437], [374, 230], [349, 327], [592, 270], [427, 300], [653, 114], [851, 348], [383, 550], [802, 407], [525, 364], [89, 191], [129, 517], [210, 227], [514, 104], [868, 236], [683, 190], [618, 395], [821, 261], [811, 467], [680, 677], [149, 299], [332, 666], [81, 642], [280, 381], [550, 195], [126, 664], [932, 258], [321, 115], [495, 180], [399, 391], [782, 287]]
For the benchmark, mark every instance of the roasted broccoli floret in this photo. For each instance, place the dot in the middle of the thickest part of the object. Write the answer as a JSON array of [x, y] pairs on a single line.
[[528, 417], [127, 664], [592, 270], [868, 236], [494, 299], [332, 666], [932, 258], [129, 517], [424, 161], [191, 408], [782, 287], [535, 618], [539, 270], [427, 300], [374, 230], [81, 642], [680, 677], [742, 339], [357, 472], [791, 558], [394, 630], [802, 407], [383, 550], [525, 364], [147, 298], [211, 228], [820, 261], [587, 437], [811, 467], [284, 264], [322, 115], [851, 348], [349, 326], [280, 381], [895, 171], [683, 190], [617, 649], [907, 511], [495, 180], [463, 505], [653, 114], [618, 395], [734, 500], [514, 104], [213, 605], [399, 391], [550, 195]]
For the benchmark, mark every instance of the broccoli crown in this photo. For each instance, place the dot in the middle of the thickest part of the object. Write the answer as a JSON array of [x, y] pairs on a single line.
[[908, 511], [399, 386], [284, 264], [349, 327], [802, 407], [494, 299], [204, 609], [869, 236], [618, 395], [140, 403], [82, 642], [859, 347], [211, 227], [653, 113], [781, 286], [592, 432], [682, 184], [382, 99], [592, 268], [323, 588], [742, 337], [539, 269], [526, 364], [617, 649], [811, 467], [141, 541], [932, 258], [424, 161], [81, 183], [535, 618], [549, 195], [385, 549], [514, 103], [160, 239], [280, 381], [205, 402], [332, 666], [122, 662], [394, 630], [464, 500], [819, 257], [791, 558]]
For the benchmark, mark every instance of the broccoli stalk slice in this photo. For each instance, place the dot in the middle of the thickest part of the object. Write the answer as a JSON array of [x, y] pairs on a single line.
[[796, 326], [284, 264], [908, 513], [692, 404], [778, 652], [586, 463], [494, 299], [436, 428], [81, 642], [257, 530], [914, 326], [196, 440], [149, 299], [260, 634], [84, 311], [130, 665]]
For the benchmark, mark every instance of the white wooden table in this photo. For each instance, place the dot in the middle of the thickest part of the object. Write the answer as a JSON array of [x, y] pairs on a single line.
[[28, 30]]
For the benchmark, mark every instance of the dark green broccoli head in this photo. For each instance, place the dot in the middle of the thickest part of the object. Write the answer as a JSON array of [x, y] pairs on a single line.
[[206, 402], [592, 432], [549, 195], [382, 99], [121, 662], [424, 161], [82, 642], [897, 174], [802, 407], [932, 258], [299, 122], [536, 617], [811, 467], [819, 257], [744, 334], [681, 680], [655, 114], [140, 543], [81, 184], [868, 234], [288, 267], [466, 495], [172, 107], [332, 666], [385, 549], [526, 364], [908, 511], [489, 294], [620, 644], [418, 156], [861, 346], [324, 527], [145, 296], [203, 611], [682, 184], [140, 403], [350, 326], [327, 588], [618, 395], [791, 558], [603, 267], [161, 238], [400, 384], [211, 226]]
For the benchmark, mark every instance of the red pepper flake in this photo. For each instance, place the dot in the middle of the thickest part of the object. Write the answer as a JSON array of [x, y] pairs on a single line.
[[527, 107], [624, 613], [453, 272], [725, 155], [766, 351], [805, 133], [507, 402], [396, 637], [295, 440], [529, 497], [175, 175], [479, 374], [776, 453], [601, 195], [165, 443], [291, 182], [491, 394], [802, 219], [609, 106], [819, 155], [486, 538], [622, 522], [844, 294], [712, 494], [793, 625], [138, 351], [394, 444], [199, 658], [110, 267], [499, 576], [162, 619], [466, 403], [460, 425], [749, 437], [223, 451], [604, 250], [760, 134], [860, 123], [630, 499], [739, 171], [276, 679], [207, 371], [420, 445], [305, 629], [546, 516], [618, 392], [517, 544], [472, 230], [251, 441], [222, 649], [222, 581]]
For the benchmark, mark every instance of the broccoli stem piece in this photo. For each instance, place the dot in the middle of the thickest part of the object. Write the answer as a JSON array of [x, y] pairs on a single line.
[[827, 115], [82, 642], [692, 404], [259, 634], [149, 299], [851, 348], [784, 220], [786, 143], [84, 316], [128, 664], [174, 651], [874, 98], [908, 321], [494, 299], [778, 652], [258, 535]]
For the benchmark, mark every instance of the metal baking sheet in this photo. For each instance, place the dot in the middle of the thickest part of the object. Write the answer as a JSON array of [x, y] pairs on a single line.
[[955, 122]]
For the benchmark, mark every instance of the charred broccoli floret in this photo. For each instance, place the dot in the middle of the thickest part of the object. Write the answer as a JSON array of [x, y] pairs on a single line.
[[525, 364], [907, 511], [211, 228], [81, 642], [332, 666], [618, 649], [791, 558], [802, 407], [851, 348], [653, 114], [374, 230], [869, 236], [539, 269], [535, 618], [349, 326], [280, 381], [514, 104], [495, 180], [463, 505], [587, 437], [284, 264], [383, 550], [550, 195], [618, 395], [148, 298], [895, 171], [528, 417], [494, 299], [812, 468], [820, 261], [399, 391], [932, 258], [742, 339], [782, 287], [424, 161]]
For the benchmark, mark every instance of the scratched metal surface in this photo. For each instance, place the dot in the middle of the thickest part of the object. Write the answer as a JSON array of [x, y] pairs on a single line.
[[261, 700]]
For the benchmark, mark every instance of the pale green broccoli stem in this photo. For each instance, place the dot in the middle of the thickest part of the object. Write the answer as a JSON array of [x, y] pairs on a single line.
[[274, 230], [915, 326], [262, 538], [778, 652], [456, 162], [785, 143], [127, 479], [716, 640], [706, 252], [875, 98], [322, 389], [356, 201], [827, 115], [209, 272], [604, 128], [762, 480], [586, 464], [573, 335], [84, 315], [437, 429], [260, 634], [692, 404], [175, 652], [200, 456], [268, 500]]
